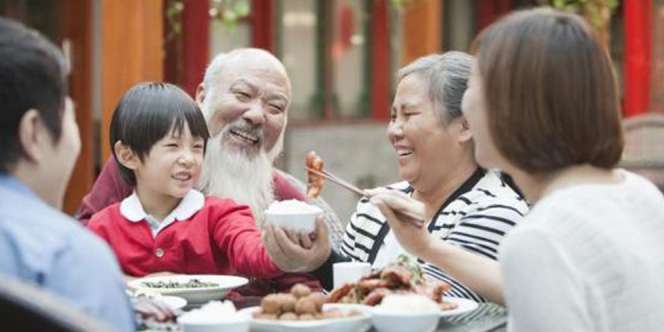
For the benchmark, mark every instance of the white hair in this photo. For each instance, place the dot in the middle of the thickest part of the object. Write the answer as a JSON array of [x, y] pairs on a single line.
[[214, 70]]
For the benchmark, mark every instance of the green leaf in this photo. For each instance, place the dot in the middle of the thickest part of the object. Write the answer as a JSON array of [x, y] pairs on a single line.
[[241, 8]]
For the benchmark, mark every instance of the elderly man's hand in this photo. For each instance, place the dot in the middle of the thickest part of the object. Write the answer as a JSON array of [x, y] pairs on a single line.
[[298, 252]]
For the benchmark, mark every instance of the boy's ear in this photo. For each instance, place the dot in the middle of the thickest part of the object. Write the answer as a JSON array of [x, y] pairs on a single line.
[[200, 94], [465, 134], [126, 157]]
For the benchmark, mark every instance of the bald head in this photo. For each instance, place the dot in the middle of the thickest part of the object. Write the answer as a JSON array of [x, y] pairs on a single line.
[[243, 59]]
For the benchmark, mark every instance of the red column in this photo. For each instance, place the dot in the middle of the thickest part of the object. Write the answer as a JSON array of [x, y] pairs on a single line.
[[489, 11], [195, 43], [638, 50], [262, 19], [380, 58]]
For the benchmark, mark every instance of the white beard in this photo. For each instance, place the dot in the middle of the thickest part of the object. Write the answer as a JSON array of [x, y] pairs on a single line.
[[234, 174]]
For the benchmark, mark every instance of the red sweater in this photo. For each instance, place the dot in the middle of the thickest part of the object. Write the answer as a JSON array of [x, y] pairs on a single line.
[[110, 188], [221, 238]]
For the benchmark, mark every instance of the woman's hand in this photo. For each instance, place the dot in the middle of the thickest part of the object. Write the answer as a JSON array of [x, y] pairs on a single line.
[[406, 218]]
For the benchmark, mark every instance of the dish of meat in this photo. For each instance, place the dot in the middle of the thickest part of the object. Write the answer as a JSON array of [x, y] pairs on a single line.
[[402, 277]]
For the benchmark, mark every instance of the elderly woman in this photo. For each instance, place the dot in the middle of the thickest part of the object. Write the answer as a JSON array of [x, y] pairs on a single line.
[[589, 256], [464, 205]]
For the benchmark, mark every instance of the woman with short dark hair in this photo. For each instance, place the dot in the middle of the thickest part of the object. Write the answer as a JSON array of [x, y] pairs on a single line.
[[542, 104]]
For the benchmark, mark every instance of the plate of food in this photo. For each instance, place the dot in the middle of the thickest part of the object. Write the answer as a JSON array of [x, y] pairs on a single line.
[[403, 277], [172, 302], [196, 289], [305, 311]]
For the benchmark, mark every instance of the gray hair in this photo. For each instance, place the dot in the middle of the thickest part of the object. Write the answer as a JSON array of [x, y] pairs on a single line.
[[447, 76], [213, 70]]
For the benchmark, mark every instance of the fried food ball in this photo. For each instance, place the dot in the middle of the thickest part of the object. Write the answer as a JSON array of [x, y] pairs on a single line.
[[287, 302], [271, 304], [300, 290], [288, 316], [319, 299], [307, 317], [305, 305]]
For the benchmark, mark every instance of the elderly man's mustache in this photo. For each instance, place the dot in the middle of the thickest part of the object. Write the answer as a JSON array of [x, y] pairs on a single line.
[[245, 130]]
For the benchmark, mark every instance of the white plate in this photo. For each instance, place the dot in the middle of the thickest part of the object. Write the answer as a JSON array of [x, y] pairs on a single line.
[[360, 323], [174, 302], [463, 306], [194, 296]]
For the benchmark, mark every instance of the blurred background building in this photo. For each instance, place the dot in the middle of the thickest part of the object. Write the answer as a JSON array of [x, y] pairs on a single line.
[[341, 56]]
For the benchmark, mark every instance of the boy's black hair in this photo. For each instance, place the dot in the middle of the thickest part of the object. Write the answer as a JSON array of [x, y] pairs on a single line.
[[148, 112], [32, 76]]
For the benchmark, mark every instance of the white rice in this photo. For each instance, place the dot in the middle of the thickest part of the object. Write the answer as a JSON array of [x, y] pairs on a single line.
[[210, 313], [292, 206]]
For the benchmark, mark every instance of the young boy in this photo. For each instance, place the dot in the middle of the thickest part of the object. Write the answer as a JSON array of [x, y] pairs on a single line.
[[158, 137]]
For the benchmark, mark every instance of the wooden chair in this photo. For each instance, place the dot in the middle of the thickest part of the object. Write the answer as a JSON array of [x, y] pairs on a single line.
[[27, 308]]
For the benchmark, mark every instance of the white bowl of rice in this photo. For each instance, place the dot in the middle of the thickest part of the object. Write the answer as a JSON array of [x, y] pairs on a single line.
[[293, 215], [213, 317], [406, 312]]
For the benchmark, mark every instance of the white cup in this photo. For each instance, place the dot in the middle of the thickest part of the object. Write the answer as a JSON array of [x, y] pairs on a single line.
[[349, 272]]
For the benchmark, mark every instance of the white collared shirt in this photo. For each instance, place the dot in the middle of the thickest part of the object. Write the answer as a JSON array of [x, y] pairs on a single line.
[[132, 209]]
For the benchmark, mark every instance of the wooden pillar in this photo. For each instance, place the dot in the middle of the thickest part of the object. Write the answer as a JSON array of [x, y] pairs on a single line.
[[76, 30], [131, 52], [422, 29], [380, 61], [262, 27], [195, 43], [638, 47], [488, 11]]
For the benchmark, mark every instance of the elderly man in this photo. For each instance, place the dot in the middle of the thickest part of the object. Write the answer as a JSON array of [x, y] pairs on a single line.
[[39, 143], [245, 97]]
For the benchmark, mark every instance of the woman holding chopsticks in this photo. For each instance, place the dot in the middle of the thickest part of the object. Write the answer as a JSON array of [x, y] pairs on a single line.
[[465, 205]]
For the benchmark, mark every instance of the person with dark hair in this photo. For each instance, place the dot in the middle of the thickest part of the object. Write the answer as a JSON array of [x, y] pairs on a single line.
[[245, 93], [543, 106], [465, 205], [158, 136], [39, 144]]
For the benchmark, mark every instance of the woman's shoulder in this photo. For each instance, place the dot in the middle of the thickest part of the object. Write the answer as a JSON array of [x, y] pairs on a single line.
[[491, 193]]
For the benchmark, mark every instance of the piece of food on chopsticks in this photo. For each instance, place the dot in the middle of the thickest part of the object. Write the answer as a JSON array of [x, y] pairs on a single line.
[[299, 304], [402, 277], [315, 182]]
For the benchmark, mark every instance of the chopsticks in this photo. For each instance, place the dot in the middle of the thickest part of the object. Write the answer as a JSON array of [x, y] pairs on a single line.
[[335, 179]]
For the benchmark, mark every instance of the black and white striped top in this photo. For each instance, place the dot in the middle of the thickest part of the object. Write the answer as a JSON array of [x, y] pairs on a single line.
[[475, 217]]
